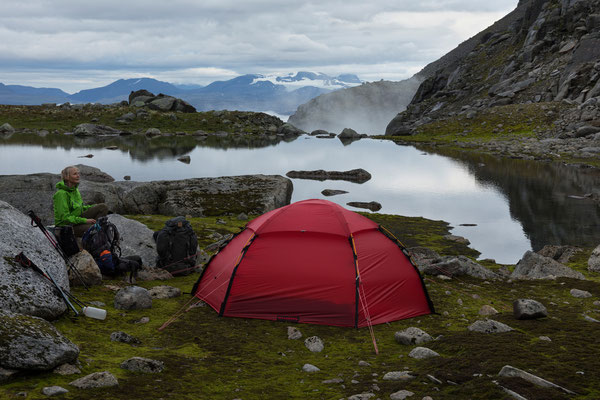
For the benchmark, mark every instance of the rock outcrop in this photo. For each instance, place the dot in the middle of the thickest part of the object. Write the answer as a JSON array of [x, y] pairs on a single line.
[[160, 102], [253, 194], [535, 266], [358, 175]]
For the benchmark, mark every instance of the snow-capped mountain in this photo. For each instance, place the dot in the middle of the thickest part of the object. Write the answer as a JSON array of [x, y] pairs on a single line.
[[278, 94]]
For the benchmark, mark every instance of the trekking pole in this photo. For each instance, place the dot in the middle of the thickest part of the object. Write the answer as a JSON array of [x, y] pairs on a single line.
[[26, 262], [88, 311], [37, 222]]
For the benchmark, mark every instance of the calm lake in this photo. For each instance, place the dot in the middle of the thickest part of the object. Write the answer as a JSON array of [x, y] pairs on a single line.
[[515, 205]]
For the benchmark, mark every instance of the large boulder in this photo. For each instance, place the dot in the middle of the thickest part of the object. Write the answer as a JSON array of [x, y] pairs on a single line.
[[32, 343], [136, 239], [23, 290], [535, 266]]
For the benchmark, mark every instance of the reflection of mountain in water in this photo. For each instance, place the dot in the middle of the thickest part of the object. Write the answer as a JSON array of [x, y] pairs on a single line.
[[540, 197], [142, 148]]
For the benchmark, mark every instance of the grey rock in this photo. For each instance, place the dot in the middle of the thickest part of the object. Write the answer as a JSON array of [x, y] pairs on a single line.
[[54, 390], [401, 395], [6, 128], [398, 376], [535, 266], [32, 343], [7, 374], [139, 93], [95, 130], [145, 365], [489, 326], [459, 266], [185, 159], [458, 239], [136, 239], [310, 368], [317, 132], [332, 192], [586, 131], [133, 298], [594, 260], [562, 254], [372, 205], [124, 338], [128, 117], [91, 174], [512, 372], [355, 175], [529, 309], [348, 133], [89, 273], [293, 333], [362, 363], [314, 344], [362, 396], [412, 336], [153, 274], [421, 353], [334, 380], [162, 104], [487, 310], [96, 380], [289, 130], [24, 290], [423, 256], [580, 294], [164, 292], [66, 369]]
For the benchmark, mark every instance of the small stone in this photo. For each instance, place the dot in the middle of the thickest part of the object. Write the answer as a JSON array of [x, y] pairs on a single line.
[[421, 353], [401, 395], [489, 326], [293, 333], [185, 159], [143, 320], [545, 338], [334, 380], [314, 344], [53, 390], [580, 294], [242, 217], [124, 338], [127, 177], [487, 310], [310, 368], [66, 369], [412, 336], [362, 396], [96, 380], [363, 364], [145, 365], [398, 376]]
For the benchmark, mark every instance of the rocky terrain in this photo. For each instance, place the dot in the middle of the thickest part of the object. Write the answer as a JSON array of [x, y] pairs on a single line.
[[528, 86]]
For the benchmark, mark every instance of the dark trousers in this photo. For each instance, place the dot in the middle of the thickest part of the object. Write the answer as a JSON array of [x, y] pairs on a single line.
[[94, 212]]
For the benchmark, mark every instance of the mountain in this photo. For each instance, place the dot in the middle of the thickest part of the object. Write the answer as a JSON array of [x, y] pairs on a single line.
[[366, 108], [280, 94], [27, 95], [542, 59], [119, 90]]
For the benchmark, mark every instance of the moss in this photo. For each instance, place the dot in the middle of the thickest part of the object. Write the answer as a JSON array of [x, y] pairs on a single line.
[[224, 358]]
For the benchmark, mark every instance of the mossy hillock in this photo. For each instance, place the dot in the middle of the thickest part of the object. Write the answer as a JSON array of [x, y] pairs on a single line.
[[206, 356]]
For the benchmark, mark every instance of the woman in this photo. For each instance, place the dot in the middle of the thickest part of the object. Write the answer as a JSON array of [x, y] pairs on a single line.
[[68, 205]]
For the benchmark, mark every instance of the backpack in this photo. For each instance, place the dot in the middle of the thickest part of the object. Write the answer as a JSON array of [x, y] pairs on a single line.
[[101, 240], [66, 240], [177, 247]]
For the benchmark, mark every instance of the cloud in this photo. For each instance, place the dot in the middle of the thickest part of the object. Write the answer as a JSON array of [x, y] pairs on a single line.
[[177, 37]]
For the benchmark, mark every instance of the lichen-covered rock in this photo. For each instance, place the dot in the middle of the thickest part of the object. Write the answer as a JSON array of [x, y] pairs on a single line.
[[145, 365], [398, 376], [310, 368], [529, 309], [96, 380], [94, 130], [458, 266], [535, 266], [489, 326], [293, 333], [164, 292], [314, 344], [133, 298], [124, 338], [421, 353], [412, 335], [32, 343], [23, 290], [580, 294], [594, 260]]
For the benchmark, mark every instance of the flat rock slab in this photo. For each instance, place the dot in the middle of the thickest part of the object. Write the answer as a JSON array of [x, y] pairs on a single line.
[[354, 175], [371, 205], [512, 372], [412, 336], [164, 292], [489, 326], [32, 343]]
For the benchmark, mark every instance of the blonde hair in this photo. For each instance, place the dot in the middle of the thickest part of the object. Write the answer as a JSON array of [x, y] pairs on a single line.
[[65, 173]]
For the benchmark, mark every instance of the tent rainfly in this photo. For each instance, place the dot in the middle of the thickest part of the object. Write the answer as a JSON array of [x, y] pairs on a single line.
[[314, 262]]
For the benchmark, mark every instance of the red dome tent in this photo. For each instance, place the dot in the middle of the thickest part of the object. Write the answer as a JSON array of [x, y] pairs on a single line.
[[314, 262]]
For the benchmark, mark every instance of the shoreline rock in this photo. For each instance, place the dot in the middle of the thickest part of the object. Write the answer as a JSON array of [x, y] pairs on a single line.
[[358, 175]]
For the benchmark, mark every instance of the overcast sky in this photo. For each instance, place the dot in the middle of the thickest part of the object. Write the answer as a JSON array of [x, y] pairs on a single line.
[[80, 44]]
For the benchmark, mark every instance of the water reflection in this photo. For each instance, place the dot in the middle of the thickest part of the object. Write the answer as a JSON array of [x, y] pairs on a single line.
[[514, 204]]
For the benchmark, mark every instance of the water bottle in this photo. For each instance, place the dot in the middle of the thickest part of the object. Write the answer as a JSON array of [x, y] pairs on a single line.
[[94, 312]]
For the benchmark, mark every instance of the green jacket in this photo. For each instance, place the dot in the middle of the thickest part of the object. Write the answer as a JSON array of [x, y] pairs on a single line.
[[68, 205]]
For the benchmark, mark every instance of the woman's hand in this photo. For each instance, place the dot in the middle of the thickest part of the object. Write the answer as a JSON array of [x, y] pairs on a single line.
[[90, 221]]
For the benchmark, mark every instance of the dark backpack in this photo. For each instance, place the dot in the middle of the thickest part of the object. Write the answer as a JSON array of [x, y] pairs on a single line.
[[177, 246], [101, 240]]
